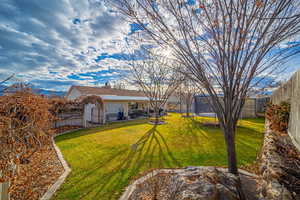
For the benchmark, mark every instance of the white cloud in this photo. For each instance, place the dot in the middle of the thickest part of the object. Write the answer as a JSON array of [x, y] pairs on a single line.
[[49, 40]]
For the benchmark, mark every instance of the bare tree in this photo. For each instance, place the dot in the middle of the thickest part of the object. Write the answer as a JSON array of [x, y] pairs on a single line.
[[224, 44], [19, 86], [119, 85], [173, 106], [188, 91], [5, 80], [157, 78]]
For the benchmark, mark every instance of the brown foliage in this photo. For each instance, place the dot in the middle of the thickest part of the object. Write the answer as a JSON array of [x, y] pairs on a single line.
[[290, 177], [61, 105], [24, 128], [278, 116], [93, 99], [34, 178]]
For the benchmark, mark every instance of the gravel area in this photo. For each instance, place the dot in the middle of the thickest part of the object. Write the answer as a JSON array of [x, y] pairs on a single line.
[[38, 175]]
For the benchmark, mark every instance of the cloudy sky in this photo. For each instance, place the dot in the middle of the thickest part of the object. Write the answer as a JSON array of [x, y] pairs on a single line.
[[56, 43]]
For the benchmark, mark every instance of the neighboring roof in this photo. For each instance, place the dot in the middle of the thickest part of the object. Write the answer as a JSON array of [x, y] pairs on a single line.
[[86, 90], [222, 95], [207, 95], [123, 98]]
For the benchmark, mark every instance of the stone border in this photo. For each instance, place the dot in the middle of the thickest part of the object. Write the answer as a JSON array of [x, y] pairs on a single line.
[[270, 187], [129, 189], [296, 144], [51, 191]]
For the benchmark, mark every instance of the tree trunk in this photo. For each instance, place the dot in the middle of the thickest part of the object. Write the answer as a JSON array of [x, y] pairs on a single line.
[[156, 115], [231, 153], [180, 104], [229, 131], [187, 110]]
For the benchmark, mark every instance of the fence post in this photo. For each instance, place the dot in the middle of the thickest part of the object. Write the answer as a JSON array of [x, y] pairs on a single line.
[[4, 191]]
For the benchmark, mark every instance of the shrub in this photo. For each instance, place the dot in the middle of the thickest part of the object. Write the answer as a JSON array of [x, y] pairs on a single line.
[[61, 105], [278, 116], [25, 123]]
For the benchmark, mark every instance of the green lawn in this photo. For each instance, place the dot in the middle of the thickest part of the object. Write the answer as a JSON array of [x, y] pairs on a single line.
[[105, 159]]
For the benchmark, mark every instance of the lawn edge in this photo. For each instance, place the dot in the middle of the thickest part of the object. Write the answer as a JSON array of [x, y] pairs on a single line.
[[51, 191]]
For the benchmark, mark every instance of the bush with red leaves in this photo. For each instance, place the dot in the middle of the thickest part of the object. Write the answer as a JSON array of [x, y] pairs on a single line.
[[25, 123], [278, 116]]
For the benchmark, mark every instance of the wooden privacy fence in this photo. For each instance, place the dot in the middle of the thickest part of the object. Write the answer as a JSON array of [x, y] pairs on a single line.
[[261, 104], [248, 111], [202, 106], [290, 92]]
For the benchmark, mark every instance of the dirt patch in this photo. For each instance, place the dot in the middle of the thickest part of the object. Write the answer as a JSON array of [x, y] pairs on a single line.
[[34, 179], [290, 177]]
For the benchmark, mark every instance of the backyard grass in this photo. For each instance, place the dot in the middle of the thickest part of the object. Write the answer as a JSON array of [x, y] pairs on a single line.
[[105, 159]]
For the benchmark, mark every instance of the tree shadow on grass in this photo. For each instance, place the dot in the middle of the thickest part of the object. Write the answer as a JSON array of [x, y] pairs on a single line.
[[108, 126], [106, 180], [192, 132], [209, 143]]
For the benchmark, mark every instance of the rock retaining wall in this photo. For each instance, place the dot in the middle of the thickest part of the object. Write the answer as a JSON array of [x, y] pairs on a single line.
[[273, 163], [201, 183]]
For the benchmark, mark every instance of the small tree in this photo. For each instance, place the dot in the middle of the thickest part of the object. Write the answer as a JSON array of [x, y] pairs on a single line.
[[178, 95], [119, 85], [157, 78], [224, 44], [188, 92], [6, 79], [2, 86]]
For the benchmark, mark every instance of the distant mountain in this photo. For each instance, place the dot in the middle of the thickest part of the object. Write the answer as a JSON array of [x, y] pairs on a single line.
[[40, 91], [50, 92], [1, 89]]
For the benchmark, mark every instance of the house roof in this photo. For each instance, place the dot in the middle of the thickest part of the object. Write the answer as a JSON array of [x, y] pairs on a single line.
[[100, 91], [124, 98]]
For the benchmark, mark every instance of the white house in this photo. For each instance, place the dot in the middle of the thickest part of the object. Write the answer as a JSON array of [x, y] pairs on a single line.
[[109, 104]]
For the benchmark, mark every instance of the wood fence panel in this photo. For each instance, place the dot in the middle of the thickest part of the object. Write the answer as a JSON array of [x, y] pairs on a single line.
[[290, 92]]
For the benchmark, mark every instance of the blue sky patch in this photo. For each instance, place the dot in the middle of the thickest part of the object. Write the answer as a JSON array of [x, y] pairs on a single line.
[[75, 77], [76, 21], [191, 2], [134, 27], [138, 54], [117, 56]]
